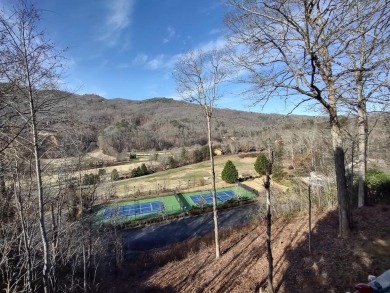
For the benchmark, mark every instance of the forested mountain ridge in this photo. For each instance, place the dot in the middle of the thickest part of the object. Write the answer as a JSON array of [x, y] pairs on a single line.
[[81, 123], [161, 123]]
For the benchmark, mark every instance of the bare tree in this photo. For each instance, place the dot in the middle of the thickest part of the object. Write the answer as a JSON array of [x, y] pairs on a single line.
[[199, 76], [287, 49], [29, 63], [366, 66]]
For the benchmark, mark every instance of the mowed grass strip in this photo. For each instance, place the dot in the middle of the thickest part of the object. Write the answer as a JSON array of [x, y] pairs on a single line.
[[183, 176]]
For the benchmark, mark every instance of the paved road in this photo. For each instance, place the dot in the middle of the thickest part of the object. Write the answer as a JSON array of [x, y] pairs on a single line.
[[163, 234]]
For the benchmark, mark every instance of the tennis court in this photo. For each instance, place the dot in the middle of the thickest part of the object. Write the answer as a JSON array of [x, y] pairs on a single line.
[[207, 198], [142, 209], [133, 209]]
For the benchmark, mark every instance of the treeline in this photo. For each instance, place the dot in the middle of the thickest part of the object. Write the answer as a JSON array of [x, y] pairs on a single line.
[[136, 172], [119, 125]]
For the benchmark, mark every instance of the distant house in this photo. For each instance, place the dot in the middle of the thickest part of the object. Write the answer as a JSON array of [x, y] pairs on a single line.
[[218, 152]]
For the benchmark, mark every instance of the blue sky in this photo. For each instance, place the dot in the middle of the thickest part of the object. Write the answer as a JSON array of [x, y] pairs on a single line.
[[127, 48]]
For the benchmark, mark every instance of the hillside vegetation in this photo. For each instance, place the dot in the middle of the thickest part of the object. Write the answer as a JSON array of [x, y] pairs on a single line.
[[82, 123], [163, 123], [301, 146], [335, 264]]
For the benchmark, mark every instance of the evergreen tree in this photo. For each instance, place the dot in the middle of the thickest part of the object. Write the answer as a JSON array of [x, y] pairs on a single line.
[[183, 156], [197, 156], [114, 175], [144, 170], [136, 172], [90, 179], [229, 172], [261, 164], [205, 152], [172, 163], [277, 172]]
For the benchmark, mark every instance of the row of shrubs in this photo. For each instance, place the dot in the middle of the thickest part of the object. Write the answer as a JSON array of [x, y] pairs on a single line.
[[262, 165], [136, 172], [92, 179]]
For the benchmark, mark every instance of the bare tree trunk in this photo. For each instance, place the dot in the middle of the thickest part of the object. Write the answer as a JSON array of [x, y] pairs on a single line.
[[351, 181], [54, 243], [339, 161], [3, 191], [267, 185], [326, 72], [213, 191], [309, 195], [341, 181], [85, 282], [362, 142], [41, 203], [81, 206], [26, 238], [269, 224]]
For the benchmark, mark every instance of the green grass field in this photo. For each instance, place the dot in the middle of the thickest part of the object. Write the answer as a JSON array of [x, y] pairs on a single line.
[[186, 178]]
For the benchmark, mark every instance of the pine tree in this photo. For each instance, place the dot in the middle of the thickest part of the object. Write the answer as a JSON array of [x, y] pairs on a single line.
[[229, 172], [144, 170], [114, 175], [261, 164]]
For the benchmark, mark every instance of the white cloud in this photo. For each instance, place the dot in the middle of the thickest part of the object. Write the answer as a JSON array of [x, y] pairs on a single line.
[[140, 59], [117, 19], [214, 31], [219, 43], [163, 61], [171, 32], [156, 63]]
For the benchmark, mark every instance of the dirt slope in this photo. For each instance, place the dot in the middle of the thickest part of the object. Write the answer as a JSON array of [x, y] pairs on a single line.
[[334, 266]]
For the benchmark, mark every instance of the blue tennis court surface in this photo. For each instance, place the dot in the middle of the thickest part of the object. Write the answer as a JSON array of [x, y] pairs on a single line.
[[134, 209], [207, 198]]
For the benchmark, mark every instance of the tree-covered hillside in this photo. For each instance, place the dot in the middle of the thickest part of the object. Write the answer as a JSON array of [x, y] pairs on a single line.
[[161, 123]]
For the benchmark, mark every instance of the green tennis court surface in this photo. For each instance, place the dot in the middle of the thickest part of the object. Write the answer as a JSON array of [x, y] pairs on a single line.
[[139, 209], [205, 197], [208, 197], [134, 210]]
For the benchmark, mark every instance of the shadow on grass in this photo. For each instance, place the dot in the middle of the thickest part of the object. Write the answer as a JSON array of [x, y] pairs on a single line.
[[336, 264]]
